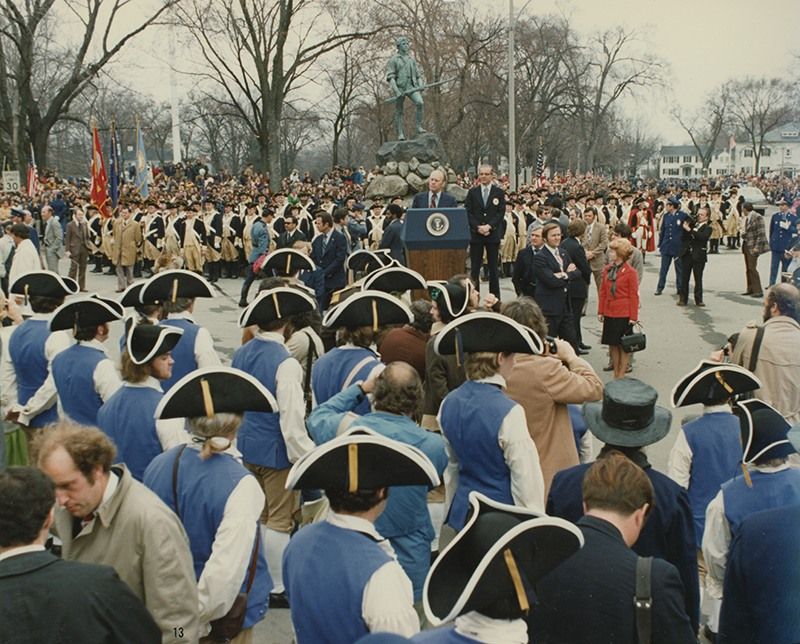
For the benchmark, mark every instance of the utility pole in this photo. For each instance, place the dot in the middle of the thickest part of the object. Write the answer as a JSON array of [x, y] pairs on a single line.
[[512, 104]]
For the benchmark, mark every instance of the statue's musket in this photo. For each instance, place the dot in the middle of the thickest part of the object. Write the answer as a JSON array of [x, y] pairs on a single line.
[[421, 88]]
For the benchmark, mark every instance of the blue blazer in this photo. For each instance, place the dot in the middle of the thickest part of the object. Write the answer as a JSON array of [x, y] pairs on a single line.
[[551, 291], [331, 260], [423, 200]]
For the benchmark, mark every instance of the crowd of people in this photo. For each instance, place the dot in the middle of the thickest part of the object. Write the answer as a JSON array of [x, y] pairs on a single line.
[[380, 462]]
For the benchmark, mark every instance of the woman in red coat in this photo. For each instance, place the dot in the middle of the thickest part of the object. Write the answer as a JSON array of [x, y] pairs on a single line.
[[618, 307]]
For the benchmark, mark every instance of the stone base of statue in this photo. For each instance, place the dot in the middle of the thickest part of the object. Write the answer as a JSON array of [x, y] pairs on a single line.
[[406, 165]]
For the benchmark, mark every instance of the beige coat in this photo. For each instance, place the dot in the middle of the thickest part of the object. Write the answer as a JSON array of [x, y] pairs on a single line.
[[778, 363], [127, 240], [544, 386], [598, 243], [143, 540]]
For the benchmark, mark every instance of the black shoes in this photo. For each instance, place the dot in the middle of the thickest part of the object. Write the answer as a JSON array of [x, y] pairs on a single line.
[[699, 304], [585, 347], [278, 600], [658, 292], [681, 302], [582, 352], [242, 304]]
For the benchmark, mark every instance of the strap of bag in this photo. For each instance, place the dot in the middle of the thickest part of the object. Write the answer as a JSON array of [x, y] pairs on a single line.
[[756, 348], [643, 601], [354, 371], [175, 479], [310, 355], [251, 574]]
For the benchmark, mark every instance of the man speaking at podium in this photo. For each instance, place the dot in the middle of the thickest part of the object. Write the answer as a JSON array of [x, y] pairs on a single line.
[[486, 207], [435, 197]]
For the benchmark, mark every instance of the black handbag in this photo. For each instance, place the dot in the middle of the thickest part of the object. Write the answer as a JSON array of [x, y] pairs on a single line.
[[634, 341]]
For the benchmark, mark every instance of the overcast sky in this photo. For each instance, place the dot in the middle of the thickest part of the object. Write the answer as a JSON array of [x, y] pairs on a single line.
[[704, 42]]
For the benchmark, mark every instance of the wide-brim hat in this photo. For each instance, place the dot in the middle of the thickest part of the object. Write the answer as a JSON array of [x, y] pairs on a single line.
[[361, 459], [146, 341], [44, 284], [710, 381], [394, 279], [168, 286], [287, 261], [85, 312], [452, 299], [764, 431], [628, 415], [215, 390], [366, 261], [276, 304], [131, 296], [502, 551], [486, 331], [368, 308]]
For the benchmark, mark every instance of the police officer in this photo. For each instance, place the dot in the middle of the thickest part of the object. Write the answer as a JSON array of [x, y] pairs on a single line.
[[782, 227], [669, 242]]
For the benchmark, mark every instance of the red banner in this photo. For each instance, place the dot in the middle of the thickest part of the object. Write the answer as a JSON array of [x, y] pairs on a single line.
[[99, 194]]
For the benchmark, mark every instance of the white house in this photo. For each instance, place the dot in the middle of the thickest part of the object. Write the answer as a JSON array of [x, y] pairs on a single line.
[[683, 162]]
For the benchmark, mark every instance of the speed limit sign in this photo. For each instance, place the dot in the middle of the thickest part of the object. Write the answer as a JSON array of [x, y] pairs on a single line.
[[11, 181]]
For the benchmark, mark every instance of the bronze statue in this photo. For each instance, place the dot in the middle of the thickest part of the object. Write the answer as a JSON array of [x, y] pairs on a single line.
[[405, 79]]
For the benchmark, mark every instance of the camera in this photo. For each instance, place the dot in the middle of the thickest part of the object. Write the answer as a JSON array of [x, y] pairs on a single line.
[[550, 344]]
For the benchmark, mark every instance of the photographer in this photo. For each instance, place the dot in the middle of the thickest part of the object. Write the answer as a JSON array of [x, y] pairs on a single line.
[[544, 385], [693, 255]]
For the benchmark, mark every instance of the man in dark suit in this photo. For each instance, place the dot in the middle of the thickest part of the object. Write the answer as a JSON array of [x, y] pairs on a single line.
[[291, 232], [47, 599], [391, 235], [553, 270], [524, 276], [329, 250], [693, 256], [76, 242], [486, 207], [435, 197], [590, 597], [669, 532]]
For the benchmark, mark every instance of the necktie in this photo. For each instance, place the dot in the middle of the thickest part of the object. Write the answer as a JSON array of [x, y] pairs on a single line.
[[485, 195], [433, 200]]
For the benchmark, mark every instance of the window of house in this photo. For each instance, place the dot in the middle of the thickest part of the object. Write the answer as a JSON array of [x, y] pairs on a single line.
[[748, 154], [788, 152], [687, 158], [765, 152]]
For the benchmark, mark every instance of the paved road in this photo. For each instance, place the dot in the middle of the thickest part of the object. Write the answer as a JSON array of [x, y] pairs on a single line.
[[677, 339]]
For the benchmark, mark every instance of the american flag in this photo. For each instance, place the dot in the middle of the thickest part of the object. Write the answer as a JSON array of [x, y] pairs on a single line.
[[539, 166], [33, 180]]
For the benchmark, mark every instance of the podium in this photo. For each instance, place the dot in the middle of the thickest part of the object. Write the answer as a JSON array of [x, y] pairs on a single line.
[[436, 241]]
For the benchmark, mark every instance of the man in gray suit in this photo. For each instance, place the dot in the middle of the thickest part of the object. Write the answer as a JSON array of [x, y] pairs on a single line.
[[53, 239], [595, 242]]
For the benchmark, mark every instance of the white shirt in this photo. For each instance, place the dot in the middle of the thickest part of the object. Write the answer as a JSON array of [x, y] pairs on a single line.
[[679, 466], [232, 547], [26, 259], [21, 550], [387, 604], [519, 453], [170, 431], [204, 353], [45, 397], [716, 543], [291, 402]]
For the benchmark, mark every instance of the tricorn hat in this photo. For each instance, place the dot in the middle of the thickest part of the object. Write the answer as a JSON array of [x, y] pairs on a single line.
[[711, 381], [368, 308], [502, 552], [361, 459], [215, 390], [486, 331], [85, 312], [628, 415], [131, 297], [170, 285], [394, 279], [366, 261], [44, 284], [146, 341], [287, 261], [764, 431], [451, 299], [276, 304]]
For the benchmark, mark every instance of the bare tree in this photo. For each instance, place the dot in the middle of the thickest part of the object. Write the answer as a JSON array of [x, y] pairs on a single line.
[[706, 124], [757, 106], [258, 51], [299, 129], [105, 28], [607, 71]]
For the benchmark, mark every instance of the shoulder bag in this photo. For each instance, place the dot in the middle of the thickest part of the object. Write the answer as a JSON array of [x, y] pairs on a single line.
[[634, 341], [643, 600]]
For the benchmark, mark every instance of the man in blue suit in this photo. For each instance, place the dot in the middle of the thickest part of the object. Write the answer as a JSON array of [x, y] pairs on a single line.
[[782, 228], [486, 207], [669, 243], [260, 234], [435, 197], [329, 250]]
